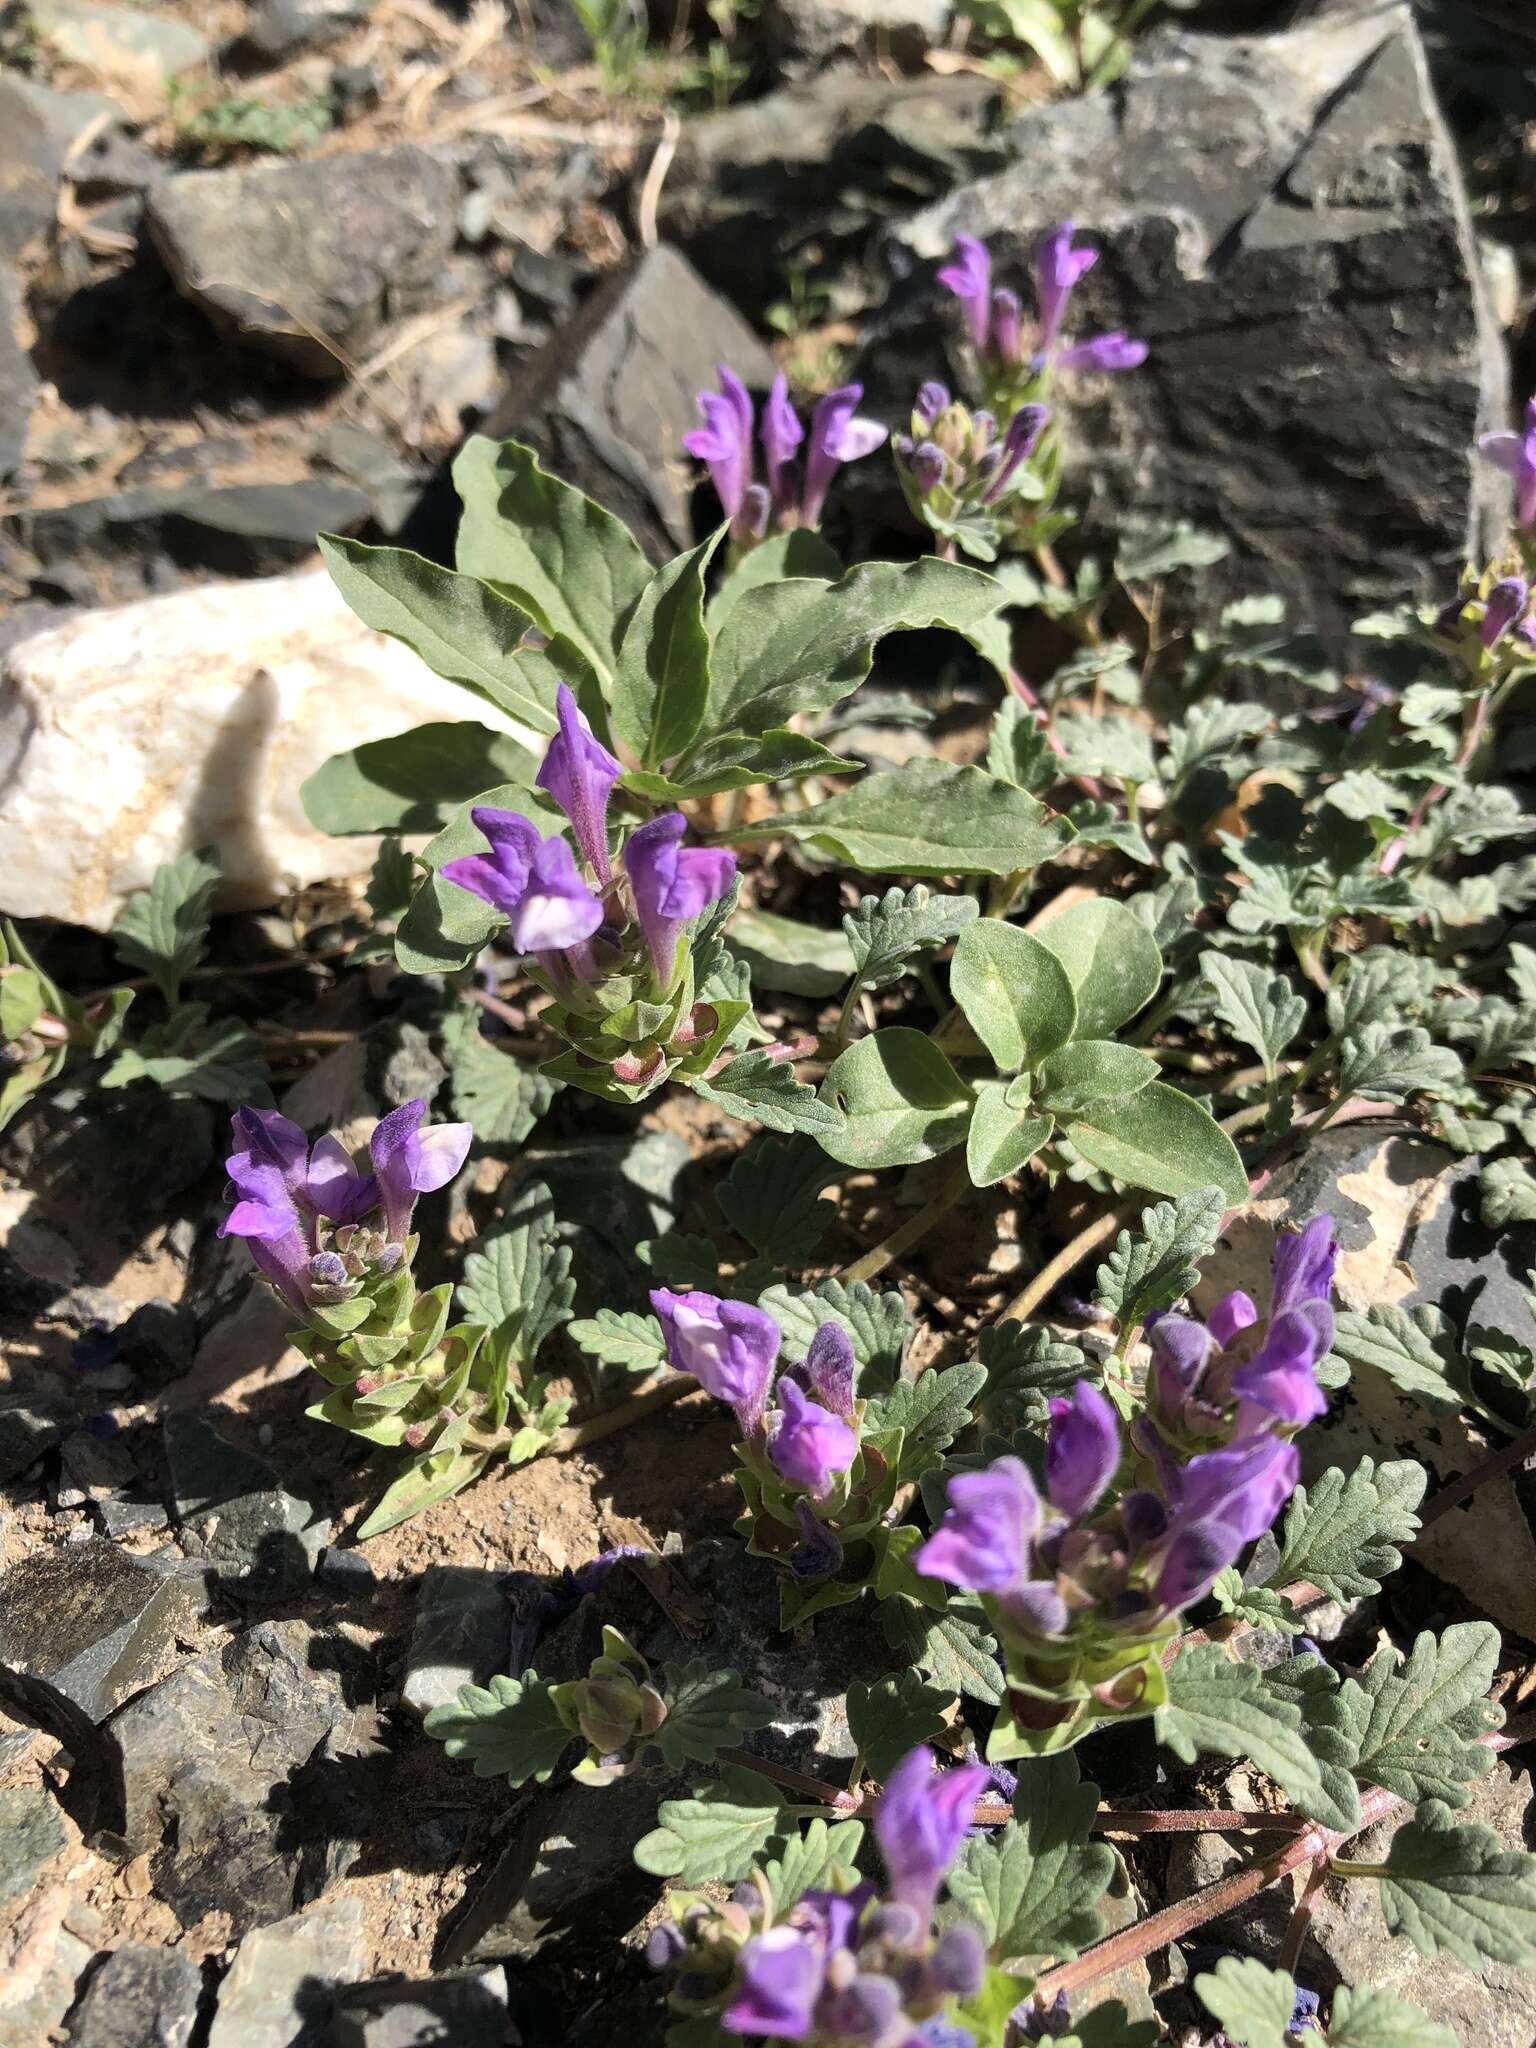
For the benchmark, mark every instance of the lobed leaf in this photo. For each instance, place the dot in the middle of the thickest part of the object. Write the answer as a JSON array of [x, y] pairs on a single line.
[[1156, 1265], [927, 818], [1034, 1888], [1342, 1533], [160, 930]]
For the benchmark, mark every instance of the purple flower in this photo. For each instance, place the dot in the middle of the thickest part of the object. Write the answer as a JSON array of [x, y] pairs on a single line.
[[410, 1159], [1281, 1377], [779, 1979], [672, 884], [1515, 454], [1024, 431], [782, 434], [1246, 1486], [837, 435], [969, 277], [1058, 269], [337, 1187], [983, 1542], [1007, 326], [1505, 603], [1304, 1265], [729, 1347], [1082, 1451], [927, 466], [1104, 352], [267, 1172], [533, 881], [829, 1369], [724, 442], [578, 771], [920, 1823], [810, 1447], [1233, 1314], [932, 398]]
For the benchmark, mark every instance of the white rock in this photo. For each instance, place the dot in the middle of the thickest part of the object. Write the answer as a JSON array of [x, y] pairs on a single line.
[[130, 734]]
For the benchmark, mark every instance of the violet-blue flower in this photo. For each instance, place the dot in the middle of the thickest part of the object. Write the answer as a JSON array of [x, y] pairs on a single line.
[[1505, 603], [781, 435], [779, 1979], [411, 1158], [969, 277], [1059, 266], [1515, 454], [1007, 330], [672, 885], [920, 1823], [266, 1176], [837, 435], [724, 442], [1082, 1451], [810, 1447], [532, 880], [729, 1347], [579, 773], [983, 1542], [1104, 352], [1024, 431], [828, 1369], [1304, 1266]]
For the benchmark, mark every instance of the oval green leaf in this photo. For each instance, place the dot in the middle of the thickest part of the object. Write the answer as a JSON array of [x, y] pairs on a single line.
[[1111, 959], [1015, 993], [1000, 1141], [902, 1099], [1090, 1071], [1160, 1139]]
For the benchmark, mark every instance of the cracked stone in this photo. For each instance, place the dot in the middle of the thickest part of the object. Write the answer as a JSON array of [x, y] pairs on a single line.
[[93, 1621], [282, 1984], [138, 1997], [265, 1540]]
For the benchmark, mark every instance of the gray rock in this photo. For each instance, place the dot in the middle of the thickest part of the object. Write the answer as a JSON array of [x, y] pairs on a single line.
[[138, 1997], [252, 1773], [266, 1540], [606, 404], [158, 1340], [127, 1517], [801, 35], [31, 1834], [309, 261], [37, 127], [1283, 219], [40, 1989], [30, 1423], [282, 1983], [277, 28], [92, 1621], [18, 380], [811, 175], [90, 1468], [468, 2008], [345, 1571], [462, 1635], [128, 43]]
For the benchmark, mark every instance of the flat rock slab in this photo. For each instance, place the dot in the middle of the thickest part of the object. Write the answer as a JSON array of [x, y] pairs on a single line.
[[310, 261], [607, 404], [32, 1833], [253, 1773], [260, 1540], [283, 1981], [93, 1621], [1283, 218], [282, 675], [138, 1997], [462, 1635], [468, 2008]]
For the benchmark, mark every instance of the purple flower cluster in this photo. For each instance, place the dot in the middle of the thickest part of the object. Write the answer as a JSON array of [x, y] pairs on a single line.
[[1515, 454], [536, 884], [1508, 609], [994, 316], [307, 1213], [852, 1966], [1067, 1562], [732, 1347], [795, 492], [954, 457]]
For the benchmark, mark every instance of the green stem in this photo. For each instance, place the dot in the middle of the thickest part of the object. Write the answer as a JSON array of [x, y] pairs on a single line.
[[907, 1234], [1341, 1866], [612, 1420]]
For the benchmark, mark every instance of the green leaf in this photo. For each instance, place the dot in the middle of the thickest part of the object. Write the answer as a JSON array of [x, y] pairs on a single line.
[[414, 781], [1258, 1606], [1164, 546], [1156, 1265], [1261, 1010], [1225, 1709], [1033, 1889], [1027, 1367], [1387, 1064], [798, 553], [1251, 2004], [1116, 747], [434, 1477], [1363, 2017], [1112, 962], [1001, 1141], [1161, 1139], [955, 1646], [714, 1837], [1014, 991], [224, 1063], [738, 760], [927, 818], [1207, 734], [931, 1411], [1019, 750], [1313, 1688], [466, 631], [500, 1095], [1415, 1347], [761, 1088], [901, 1099], [800, 644], [21, 1003], [891, 1716], [1455, 1888], [876, 1323], [1090, 1071], [161, 929], [786, 955], [707, 1710], [886, 934], [1342, 1533], [1100, 824], [1506, 1194], [770, 1198], [620, 1337], [575, 568], [1417, 1730], [1110, 2026], [822, 1858], [507, 1729], [678, 1260], [517, 1281], [661, 682]]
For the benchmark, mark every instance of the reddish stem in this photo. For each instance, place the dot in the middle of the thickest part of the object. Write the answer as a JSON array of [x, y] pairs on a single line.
[[1494, 1466], [1301, 1917]]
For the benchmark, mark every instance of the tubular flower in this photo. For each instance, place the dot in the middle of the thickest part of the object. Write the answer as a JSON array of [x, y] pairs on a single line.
[[724, 442], [1515, 454], [579, 773], [809, 1447], [532, 880], [1059, 267], [672, 885], [969, 277], [730, 1348], [789, 498]]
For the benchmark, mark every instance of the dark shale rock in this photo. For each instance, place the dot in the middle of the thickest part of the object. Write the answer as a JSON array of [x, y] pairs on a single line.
[[30, 1423], [264, 1540], [1283, 219], [18, 380], [332, 248], [608, 401], [138, 1997], [462, 1635], [158, 1340], [253, 1773], [91, 1620], [282, 1985], [468, 2008], [276, 29], [811, 175], [31, 1835]]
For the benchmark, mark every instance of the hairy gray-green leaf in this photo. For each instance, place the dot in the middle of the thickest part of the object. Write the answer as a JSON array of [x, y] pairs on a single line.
[[1160, 1139], [875, 1320], [1225, 1708], [507, 1729], [1260, 1009], [1454, 1887], [1415, 1347], [1090, 1071], [900, 1098], [761, 1089], [1163, 546], [1001, 1141], [715, 1836], [887, 933], [1034, 1888], [1019, 750], [1027, 1368], [822, 1858], [891, 1715], [161, 930], [770, 1197], [954, 1645], [1384, 1063], [503, 1097], [1328, 1730], [1251, 2003], [1417, 1730], [1156, 1264], [621, 1337], [1112, 962], [1117, 747], [931, 1411], [661, 680], [414, 781], [708, 1710], [517, 1281], [1363, 2017], [1342, 1533], [786, 955], [1015, 993], [927, 818]]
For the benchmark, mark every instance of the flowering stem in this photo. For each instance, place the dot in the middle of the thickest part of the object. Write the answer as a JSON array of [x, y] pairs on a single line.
[[1472, 734], [907, 1234], [612, 1420]]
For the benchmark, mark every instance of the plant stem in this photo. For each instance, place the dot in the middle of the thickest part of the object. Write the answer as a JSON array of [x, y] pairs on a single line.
[[612, 1420], [1301, 1917], [1494, 1466], [1071, 1255], [907, 1234]]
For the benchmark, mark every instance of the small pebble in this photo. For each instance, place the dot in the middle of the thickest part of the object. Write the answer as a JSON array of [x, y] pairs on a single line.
[[347, 1571], [265, 1435]]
